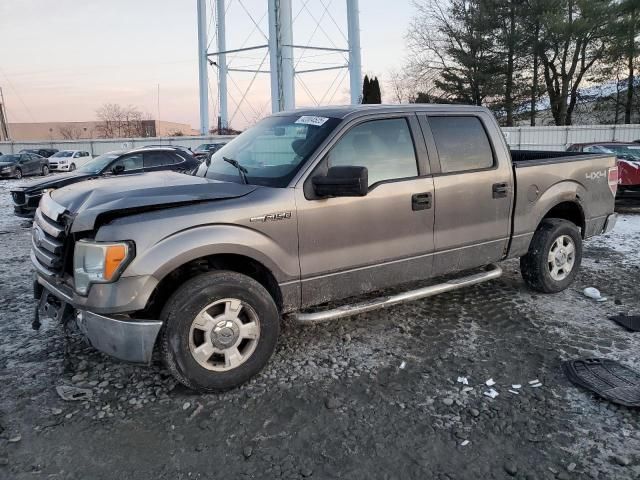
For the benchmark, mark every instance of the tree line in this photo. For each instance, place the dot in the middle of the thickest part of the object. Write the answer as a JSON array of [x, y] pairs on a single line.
[[508, 54]]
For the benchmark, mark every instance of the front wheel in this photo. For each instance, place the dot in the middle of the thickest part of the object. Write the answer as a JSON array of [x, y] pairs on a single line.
[[220, 329], [554, 256], [72, 167], [45, 170], [18, 173]]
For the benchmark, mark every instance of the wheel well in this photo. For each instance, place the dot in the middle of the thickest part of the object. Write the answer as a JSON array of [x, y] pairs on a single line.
[[236, 263], [570, 211]]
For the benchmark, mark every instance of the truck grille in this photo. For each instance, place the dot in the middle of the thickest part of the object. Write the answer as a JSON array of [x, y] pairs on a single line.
[[49, 238]]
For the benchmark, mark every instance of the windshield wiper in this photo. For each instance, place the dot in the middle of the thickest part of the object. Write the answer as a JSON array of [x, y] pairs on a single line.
[[241, 170]]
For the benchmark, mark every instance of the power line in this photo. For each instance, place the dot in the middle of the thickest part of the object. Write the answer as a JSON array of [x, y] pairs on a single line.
[[18, 95]]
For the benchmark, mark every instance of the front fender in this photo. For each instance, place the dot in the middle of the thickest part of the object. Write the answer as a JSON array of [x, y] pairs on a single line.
[[186, 245]]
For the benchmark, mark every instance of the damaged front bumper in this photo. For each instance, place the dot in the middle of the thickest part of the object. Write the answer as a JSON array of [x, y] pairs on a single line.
[[127, 339]]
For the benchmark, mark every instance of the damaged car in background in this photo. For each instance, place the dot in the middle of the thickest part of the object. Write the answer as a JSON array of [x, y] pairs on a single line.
[[305, 208], [18, 165], [628, 160], [27, 197]]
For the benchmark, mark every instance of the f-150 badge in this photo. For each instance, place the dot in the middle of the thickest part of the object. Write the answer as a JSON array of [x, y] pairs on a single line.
[[271, 217]]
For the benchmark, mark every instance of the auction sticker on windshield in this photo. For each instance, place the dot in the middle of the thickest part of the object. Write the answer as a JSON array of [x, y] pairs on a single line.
[[312, 120]]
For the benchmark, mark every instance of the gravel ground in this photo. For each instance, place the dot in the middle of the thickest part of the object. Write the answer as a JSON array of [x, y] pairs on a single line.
[[375, 396]]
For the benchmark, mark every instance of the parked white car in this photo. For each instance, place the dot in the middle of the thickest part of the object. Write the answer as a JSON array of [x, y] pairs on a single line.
[[68, 160]]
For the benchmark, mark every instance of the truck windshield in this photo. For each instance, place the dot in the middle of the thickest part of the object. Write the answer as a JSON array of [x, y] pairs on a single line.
[[271, 152], [628, 152]]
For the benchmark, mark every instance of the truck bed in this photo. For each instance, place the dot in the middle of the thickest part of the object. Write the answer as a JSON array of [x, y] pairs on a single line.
[[526, 158], [582, 179]]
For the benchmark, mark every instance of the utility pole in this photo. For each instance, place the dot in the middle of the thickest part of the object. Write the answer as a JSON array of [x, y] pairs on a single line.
[[158, 121], [202, 67], [355, 63], [4, 123]]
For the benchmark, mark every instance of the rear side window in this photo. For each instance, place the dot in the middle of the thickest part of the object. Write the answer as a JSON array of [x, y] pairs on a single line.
[[385, 147], [462, 143], [158, 159]]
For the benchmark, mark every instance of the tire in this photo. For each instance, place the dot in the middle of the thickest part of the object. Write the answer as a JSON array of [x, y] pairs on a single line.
[[543, 275], [182, 334], [45, 170], [72, 167], [18, 173]]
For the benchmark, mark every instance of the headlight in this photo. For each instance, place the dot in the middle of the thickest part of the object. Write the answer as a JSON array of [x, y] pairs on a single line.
[[62, 162], [99, 262], [6, 169]]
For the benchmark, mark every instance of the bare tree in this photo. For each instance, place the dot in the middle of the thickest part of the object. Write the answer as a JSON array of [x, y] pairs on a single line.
[[117, 121], [400, 87], [70, 132]]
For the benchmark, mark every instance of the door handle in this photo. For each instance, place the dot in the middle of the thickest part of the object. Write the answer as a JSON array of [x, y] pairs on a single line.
[[500, 190], [421, 201]]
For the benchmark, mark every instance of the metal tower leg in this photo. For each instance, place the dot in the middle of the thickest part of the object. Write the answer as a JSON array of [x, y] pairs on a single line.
[[281, 55], [355, 63], [202, 68], [222, 64]]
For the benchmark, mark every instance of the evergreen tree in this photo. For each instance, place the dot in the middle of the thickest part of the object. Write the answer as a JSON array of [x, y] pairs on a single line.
[[366, 90], [458, 40], [376, 94]]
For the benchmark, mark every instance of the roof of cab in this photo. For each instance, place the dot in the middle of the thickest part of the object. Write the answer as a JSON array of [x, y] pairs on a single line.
[[344, 111]]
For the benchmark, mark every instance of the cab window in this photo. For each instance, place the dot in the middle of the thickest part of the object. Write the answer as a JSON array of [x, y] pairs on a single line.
[[385, 147]]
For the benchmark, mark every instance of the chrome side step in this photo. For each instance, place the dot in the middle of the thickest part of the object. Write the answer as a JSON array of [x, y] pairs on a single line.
[[492, 272]]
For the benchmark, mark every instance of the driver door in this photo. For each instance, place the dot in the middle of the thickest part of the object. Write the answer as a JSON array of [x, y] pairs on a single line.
[[352, 245]]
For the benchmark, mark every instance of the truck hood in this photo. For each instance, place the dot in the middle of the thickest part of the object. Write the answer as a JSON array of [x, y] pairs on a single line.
[[130, 194]]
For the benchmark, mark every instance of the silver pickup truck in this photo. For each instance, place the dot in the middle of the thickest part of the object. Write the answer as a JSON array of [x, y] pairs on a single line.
[[308, 208]]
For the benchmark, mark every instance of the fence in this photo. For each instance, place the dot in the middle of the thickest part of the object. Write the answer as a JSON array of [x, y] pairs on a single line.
[[559, 138], [518, 138]]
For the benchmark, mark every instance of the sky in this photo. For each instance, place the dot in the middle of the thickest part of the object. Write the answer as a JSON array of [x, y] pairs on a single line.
[[61, 60]]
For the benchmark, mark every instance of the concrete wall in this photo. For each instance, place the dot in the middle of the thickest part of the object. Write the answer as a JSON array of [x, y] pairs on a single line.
[[98, 147], [53, 131]]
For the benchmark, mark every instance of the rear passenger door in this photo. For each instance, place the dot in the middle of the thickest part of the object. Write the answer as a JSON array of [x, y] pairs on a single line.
[[473, 191], [32, 164]]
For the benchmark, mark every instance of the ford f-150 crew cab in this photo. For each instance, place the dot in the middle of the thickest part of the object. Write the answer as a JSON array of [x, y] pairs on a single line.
[[306, 208]]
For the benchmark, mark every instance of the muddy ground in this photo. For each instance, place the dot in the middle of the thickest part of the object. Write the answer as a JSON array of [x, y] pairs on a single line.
[[375, 396]]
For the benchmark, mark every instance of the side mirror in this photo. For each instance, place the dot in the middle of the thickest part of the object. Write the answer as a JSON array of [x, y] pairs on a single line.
[[118, 169], [342, 182]]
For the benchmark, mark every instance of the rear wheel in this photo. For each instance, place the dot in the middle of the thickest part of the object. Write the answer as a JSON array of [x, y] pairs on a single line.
[[554, 256], [220, 329], [18, 173], [45, 170]]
